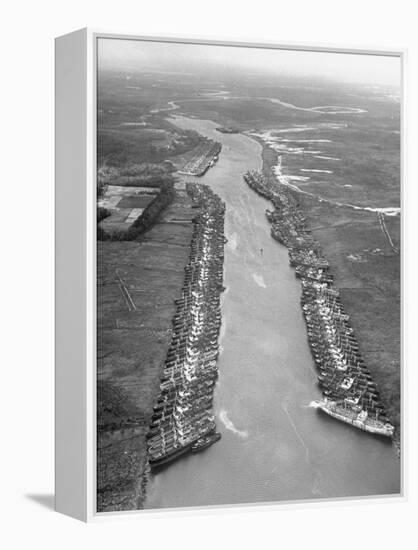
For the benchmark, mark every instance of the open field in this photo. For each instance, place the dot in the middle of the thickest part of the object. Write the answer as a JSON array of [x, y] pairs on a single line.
[[137, 285]]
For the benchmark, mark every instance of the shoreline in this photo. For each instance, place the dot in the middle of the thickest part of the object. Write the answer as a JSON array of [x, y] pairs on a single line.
[[274, 169]]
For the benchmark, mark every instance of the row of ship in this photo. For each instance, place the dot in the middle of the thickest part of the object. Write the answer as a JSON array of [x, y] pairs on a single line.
[[205, 156], [183, 421], [349, 393]]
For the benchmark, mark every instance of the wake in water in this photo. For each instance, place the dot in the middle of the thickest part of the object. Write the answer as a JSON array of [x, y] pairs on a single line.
[[223, 416], [233, 241], [298, 435], [259, 280]]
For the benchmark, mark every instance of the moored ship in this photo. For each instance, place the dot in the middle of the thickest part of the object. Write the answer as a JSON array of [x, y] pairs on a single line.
[[205, 442], [182, 421], [357, 417], [165, 458]]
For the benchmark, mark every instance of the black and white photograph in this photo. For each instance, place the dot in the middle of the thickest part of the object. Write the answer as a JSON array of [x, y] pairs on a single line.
[[248, 274]]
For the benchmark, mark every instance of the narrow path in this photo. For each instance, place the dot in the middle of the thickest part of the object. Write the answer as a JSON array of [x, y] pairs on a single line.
[[130, 304], [386, 232]]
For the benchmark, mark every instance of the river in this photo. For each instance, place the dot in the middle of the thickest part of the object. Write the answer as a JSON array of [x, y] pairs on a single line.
[[274, 446]]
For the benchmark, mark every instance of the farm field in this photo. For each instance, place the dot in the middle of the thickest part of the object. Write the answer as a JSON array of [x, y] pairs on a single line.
[[125, 205]]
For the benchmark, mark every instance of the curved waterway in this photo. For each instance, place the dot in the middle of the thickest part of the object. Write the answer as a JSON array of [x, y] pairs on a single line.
[[274, 446]]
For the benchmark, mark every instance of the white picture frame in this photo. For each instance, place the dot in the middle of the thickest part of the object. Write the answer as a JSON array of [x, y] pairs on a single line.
[[75, 174]]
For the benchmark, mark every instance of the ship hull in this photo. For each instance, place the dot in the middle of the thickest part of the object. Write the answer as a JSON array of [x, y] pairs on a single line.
[[170, 457], [359, 424]]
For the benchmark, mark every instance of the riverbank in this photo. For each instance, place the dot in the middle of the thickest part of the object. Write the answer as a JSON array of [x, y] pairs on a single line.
[[366, 269]]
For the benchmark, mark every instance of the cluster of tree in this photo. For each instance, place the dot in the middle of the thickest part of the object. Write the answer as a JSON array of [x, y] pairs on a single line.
[[144, 181], [117, 147], [134, 175], [101, 186], [102, 213], [145, 169]]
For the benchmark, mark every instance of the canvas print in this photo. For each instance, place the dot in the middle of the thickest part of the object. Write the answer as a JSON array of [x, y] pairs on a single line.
[[248, 275]]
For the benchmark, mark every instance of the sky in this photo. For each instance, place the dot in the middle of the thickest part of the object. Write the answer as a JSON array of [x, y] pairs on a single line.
[[192, 58]]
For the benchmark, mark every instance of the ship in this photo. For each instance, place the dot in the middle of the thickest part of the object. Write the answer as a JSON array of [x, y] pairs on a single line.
[[205, 442], [159, 457], [357, 417], [164, 458]]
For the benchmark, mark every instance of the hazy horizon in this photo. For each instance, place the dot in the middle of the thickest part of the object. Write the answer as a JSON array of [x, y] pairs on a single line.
[[192, 59]]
